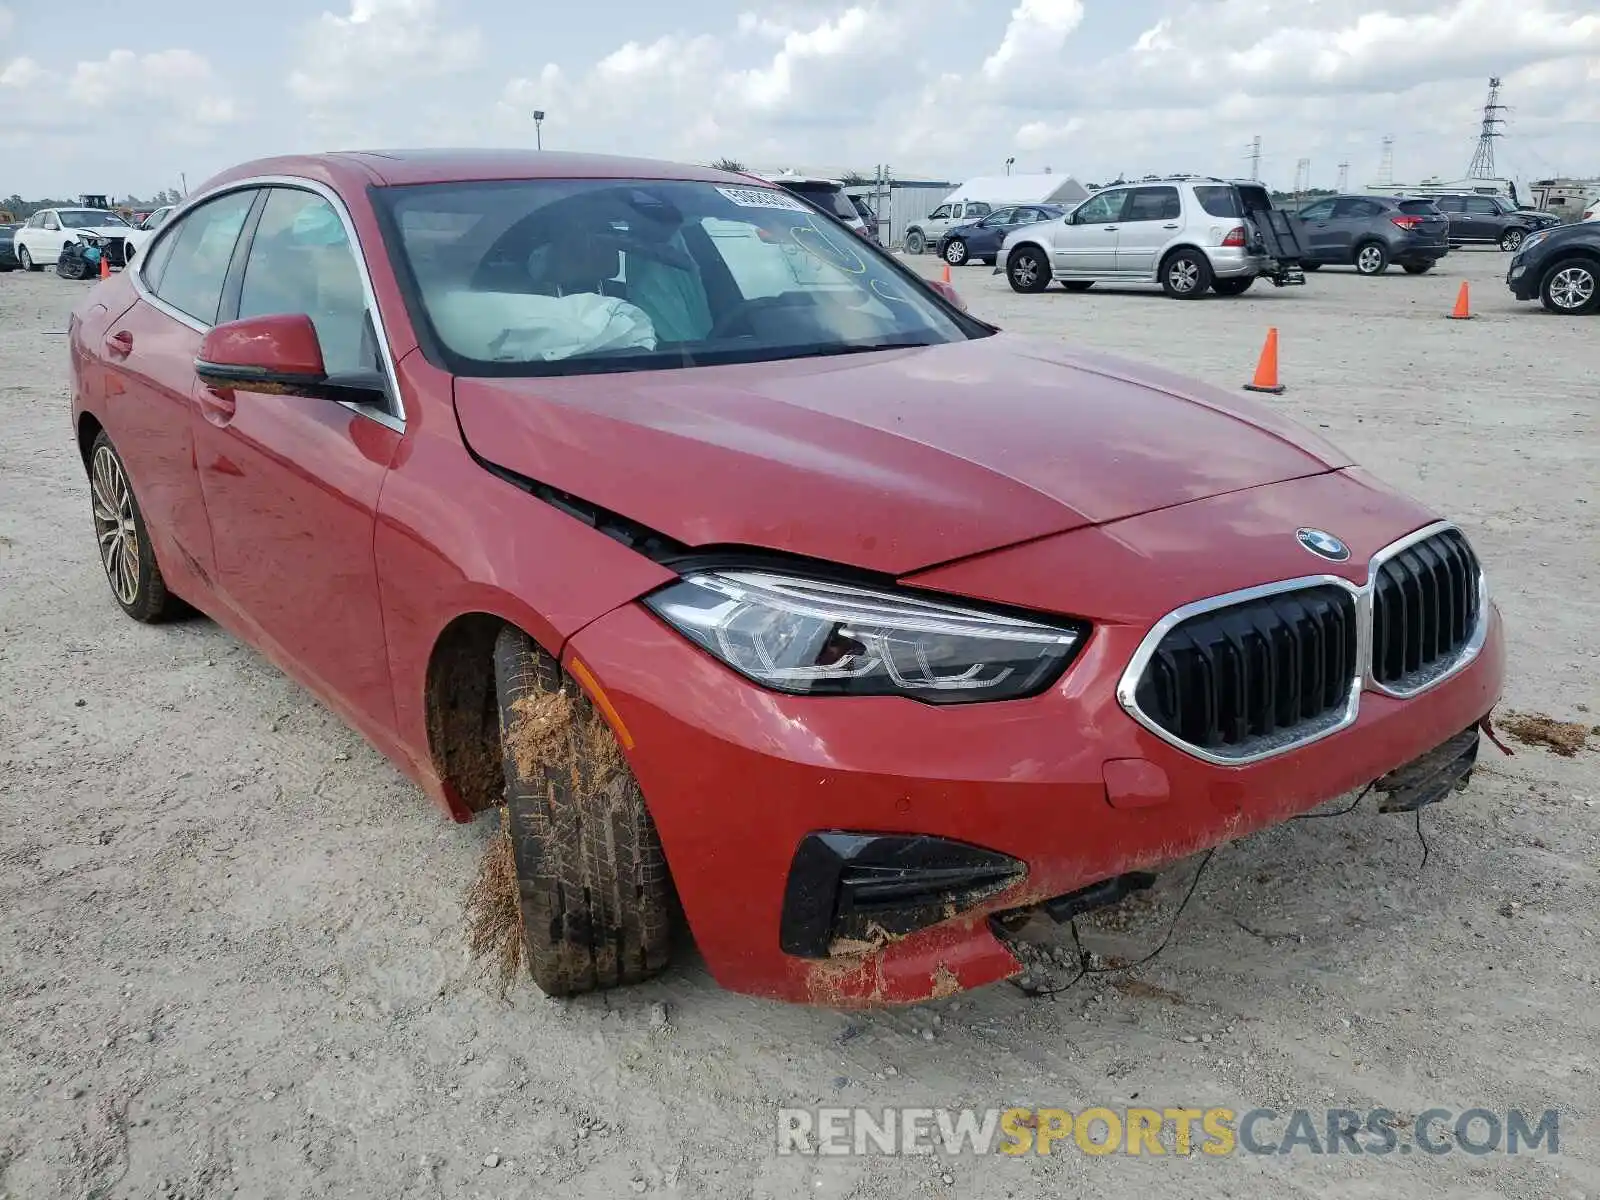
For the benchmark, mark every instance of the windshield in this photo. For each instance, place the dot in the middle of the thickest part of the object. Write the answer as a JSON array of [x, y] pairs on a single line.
[[555, 277], [88, 218]]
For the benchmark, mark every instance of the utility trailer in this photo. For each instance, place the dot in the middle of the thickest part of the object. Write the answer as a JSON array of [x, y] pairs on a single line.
[[1277, 234]]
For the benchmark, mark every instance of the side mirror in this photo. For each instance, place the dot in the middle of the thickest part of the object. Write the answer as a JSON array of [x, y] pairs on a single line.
[[279, 355], [949, 292]]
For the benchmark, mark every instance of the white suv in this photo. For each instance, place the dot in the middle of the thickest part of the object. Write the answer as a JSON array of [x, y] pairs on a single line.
[[920, 235], [1190, 236]]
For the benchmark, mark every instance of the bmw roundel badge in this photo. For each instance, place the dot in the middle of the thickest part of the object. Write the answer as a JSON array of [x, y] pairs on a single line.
[[1323, 544]]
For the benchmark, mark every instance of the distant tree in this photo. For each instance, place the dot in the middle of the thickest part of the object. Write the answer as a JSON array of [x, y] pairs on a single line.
[[854, 179], [731, 165]]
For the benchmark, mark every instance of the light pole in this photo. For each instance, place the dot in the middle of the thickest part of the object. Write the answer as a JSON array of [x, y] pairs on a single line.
[[1009, 161], [538, 129]]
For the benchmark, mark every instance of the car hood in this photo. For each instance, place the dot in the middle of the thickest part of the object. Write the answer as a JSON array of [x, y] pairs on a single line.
[[99, 230], [891, 461]]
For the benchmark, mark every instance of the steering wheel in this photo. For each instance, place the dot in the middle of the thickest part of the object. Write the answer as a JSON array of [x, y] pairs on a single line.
[[748, 308]]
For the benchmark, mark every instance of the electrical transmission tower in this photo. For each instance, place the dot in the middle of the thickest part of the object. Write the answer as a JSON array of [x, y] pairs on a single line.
[[1302, 176], [1255, 159], [1386, 163], [1483, 157], [1344, 177]]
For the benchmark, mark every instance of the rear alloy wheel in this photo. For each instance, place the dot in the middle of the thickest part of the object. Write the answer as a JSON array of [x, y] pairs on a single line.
[[915, 242], [1416, 268], [1185, 275], [1512, 239], [1236, 286], [1027, 270], [124, 541], [1372, 258], [593, 892], [1572, 287], [26, 260], [955, 252]]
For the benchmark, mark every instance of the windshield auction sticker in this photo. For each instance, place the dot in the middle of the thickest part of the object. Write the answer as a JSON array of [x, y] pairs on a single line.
[[762, 198]]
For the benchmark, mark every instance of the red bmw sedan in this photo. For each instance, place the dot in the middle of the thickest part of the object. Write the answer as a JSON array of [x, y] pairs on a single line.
[[743, 567]]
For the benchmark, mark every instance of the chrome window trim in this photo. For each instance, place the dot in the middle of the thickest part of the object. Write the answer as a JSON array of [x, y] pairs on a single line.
[[1363, 681], [395, 420]]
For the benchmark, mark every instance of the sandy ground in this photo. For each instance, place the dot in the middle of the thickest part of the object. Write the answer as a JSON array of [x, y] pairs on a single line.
[[230, 934]]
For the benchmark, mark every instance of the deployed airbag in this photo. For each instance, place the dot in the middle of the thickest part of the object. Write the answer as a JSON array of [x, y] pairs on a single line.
[[518, 327]]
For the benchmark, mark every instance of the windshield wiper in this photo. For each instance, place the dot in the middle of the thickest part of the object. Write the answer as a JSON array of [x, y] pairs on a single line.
[[828, 351]]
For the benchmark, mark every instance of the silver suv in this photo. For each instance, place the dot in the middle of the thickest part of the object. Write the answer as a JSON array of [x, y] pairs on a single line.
[[1189, 235]]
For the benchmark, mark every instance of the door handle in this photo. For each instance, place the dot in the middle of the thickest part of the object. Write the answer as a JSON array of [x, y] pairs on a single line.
[[217, 407], [120, 343], [1109, 228], [1172, 226]]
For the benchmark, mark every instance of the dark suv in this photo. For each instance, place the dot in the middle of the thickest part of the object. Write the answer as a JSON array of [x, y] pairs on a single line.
[[1491, 220], [1560, 268], [1370, 232]]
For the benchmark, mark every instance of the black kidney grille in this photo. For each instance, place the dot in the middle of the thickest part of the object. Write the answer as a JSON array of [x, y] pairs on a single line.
[[1254, 674], [1424, 609]]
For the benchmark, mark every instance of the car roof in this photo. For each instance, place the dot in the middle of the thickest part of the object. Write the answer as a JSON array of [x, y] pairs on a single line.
[[356, 168]]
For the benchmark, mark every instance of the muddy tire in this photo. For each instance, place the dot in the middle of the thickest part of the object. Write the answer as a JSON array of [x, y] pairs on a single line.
[[591, 878], [123, 541]]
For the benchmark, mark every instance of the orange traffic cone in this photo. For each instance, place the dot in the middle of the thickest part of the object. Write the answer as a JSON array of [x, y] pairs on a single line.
[[947, 272], [1463, 309], [105, 266], [1266, 376]]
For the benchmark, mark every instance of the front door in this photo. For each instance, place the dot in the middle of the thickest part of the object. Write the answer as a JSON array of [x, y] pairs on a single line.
[[291, 483], [1086, 243], [1352, 220], [1151, 217], [1483, 223], [1321, 237]]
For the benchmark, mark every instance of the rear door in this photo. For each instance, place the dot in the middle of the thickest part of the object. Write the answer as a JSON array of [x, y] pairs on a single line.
[[1484, 220], [1151, 217], [1086, 242], [985, 239], [1352, 221], [150, 350], [1454, 209], [291, 483]]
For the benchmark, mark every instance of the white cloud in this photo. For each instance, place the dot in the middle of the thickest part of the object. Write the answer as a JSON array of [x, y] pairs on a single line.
[[1036, 32], [379, 48]]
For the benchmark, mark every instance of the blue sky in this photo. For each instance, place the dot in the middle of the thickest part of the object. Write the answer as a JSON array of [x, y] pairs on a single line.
[[128, 97]]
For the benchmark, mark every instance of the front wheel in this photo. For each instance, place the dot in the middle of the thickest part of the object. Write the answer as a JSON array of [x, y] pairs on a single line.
[[1185, 275], [1237, 286], [955, 252], [124, 540], [592, 884], [1372, 259], [915, 242], [1572, 287], [1512, 239], [1027, 270]]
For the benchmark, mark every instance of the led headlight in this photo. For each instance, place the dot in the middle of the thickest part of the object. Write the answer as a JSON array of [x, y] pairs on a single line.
[[813, 637]]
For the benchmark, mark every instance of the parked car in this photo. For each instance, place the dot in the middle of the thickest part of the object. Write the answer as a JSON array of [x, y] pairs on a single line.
[[1591, 211], [826, 194], [8, 253], [849, 618], [869, 219], [1560, 268], [40, 239], [1491, 220], [1187, 235], [920, 235], [981, 240], [1370, 232], [139, 236]]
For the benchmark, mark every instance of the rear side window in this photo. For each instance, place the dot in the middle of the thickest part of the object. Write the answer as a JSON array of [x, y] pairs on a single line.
[[1320, 211], [191, 273], [1419, 208], [1153, 204], [1217, 200], [1357, 208], [1450, 204]]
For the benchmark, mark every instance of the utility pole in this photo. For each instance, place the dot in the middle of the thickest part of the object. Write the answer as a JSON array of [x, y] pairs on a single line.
[[1344, 176], [1255, 159], [1482, 165], [1302, 177], [1386, 163]]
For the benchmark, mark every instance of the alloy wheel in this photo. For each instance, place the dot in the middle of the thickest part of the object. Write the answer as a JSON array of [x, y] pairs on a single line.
[[25, 258], [955, 253], [1512, 239], [1025, 270], [1572, 288], [114, 526], [1183, 275], [1369, 260]]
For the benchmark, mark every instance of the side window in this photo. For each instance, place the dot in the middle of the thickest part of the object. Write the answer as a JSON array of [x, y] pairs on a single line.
[[301, 261], [36, 221], [1449, 204], [1320, 211], [1217, 199], [1001, 216], [1351, 208], [977, 209], [939, 213], [192, 260], [1153, 204], [50, 221], [1100, 208], [1482, 206]]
